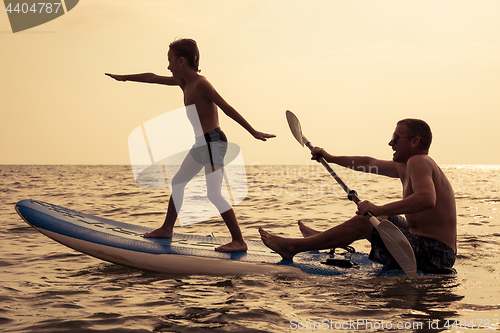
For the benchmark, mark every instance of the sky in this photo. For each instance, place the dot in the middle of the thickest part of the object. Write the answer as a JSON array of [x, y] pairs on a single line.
[[349, 70]]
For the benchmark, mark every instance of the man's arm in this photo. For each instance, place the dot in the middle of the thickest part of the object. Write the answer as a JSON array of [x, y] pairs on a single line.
[[361, 163], [146, 78], [209, 92], [423, 197]]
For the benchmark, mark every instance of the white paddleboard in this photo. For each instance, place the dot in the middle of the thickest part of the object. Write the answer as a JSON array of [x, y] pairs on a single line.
[[122, 243]]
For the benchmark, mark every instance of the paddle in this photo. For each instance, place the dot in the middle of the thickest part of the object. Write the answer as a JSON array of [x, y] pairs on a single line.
[[393, 238]]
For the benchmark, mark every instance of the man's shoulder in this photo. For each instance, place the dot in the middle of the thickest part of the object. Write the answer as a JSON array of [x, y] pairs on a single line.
[[422, 162], [420, 159]]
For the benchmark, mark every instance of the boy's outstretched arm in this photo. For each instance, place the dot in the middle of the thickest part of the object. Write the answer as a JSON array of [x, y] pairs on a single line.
[[146, 78], [209, 91]]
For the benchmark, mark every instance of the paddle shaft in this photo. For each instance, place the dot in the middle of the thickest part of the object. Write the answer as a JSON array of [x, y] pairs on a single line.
[[351, 194]]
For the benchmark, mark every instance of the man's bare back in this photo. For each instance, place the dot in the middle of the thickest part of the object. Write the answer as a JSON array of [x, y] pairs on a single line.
[[438, 222]]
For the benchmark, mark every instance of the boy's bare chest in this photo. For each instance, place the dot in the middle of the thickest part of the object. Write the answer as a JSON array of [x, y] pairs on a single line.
[[191, 95]]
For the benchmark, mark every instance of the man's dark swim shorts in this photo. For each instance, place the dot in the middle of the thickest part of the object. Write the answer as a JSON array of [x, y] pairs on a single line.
[[210, 148], [432, 256]]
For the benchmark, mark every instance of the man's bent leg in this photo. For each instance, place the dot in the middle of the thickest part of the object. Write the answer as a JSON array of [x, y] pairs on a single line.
[[338, 236]]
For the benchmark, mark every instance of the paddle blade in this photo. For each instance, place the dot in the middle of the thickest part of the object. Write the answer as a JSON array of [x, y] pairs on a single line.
[[294, 124], [398, 246]]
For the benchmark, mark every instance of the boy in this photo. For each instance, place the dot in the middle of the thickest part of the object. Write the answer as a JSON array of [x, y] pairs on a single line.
[[183, 58]]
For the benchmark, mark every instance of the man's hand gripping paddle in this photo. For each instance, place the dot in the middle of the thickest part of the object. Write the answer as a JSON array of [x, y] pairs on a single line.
[[393, 238]]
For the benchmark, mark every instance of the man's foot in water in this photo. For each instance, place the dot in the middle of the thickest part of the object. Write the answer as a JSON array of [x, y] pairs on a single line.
[[277, 244]]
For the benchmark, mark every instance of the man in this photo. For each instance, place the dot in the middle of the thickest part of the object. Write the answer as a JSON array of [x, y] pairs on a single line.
[[428, 204]]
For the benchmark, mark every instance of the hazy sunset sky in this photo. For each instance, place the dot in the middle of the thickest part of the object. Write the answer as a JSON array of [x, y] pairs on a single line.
[[348, 69]]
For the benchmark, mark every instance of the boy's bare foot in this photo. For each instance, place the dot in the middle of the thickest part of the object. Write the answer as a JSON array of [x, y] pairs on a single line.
[[159, 233], [306, 231], [277, 244], [234, 246]]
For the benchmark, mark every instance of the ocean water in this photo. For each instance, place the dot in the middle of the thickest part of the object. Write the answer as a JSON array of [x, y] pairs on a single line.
[[47, 287]]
